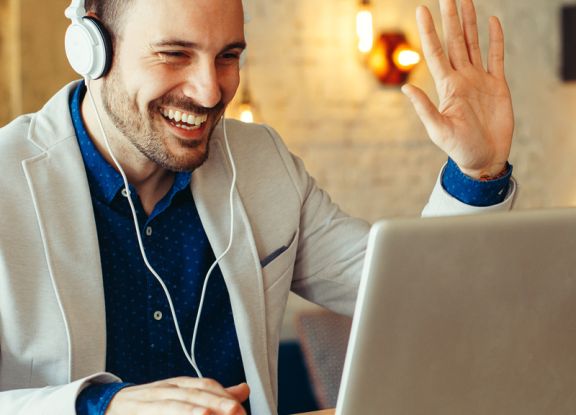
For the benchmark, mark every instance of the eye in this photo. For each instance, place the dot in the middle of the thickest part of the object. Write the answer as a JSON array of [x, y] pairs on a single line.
[[230, 56], [172, 55], [173, 58]]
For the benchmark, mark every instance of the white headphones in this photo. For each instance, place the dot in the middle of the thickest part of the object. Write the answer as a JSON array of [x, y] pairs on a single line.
[[88, 44]]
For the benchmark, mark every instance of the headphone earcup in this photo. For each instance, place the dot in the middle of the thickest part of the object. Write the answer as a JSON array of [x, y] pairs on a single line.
[[89, 48]]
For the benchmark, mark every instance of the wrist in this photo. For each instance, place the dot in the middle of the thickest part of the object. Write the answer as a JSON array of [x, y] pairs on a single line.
[[475, 192], [95, 399], [494, 172]]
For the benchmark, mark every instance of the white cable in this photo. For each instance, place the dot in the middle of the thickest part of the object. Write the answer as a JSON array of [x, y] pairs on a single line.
[[209, 273], [190, 357]]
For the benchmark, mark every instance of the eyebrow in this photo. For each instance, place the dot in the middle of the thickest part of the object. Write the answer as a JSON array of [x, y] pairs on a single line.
[[194, 45]]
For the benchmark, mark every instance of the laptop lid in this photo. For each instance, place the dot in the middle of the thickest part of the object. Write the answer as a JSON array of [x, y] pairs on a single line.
[[466, 315]]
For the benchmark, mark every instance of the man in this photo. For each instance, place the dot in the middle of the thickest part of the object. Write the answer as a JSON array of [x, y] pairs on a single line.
[[79, 308]]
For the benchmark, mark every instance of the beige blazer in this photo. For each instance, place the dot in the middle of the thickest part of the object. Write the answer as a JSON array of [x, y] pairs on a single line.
[[52, 321]]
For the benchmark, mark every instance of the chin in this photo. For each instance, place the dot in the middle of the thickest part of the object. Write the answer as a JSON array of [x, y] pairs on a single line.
[[184, 162]]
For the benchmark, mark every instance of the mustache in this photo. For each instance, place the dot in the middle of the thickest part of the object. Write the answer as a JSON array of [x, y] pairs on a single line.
[[185, 104]]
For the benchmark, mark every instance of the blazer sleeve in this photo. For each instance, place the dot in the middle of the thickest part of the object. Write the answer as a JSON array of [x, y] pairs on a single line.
[[50, 400], [441, 203], [332, 245]]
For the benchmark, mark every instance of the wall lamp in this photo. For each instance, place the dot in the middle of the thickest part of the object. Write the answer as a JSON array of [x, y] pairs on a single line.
[[246, 110], [246, 107], [365, 27], [392, 59], [389, 55]]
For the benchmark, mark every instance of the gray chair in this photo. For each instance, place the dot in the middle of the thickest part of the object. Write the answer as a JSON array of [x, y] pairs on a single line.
[[323, 337]]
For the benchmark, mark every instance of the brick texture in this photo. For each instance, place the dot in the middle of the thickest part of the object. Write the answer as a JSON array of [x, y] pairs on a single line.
[[362, 141]]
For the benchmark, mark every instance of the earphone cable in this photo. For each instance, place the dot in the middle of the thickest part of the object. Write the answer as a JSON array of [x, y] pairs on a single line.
[[217, 260], [190, 357]]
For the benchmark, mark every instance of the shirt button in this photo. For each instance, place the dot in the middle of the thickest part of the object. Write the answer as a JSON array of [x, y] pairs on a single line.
[[149, 231], [158, 315], [124, 192]]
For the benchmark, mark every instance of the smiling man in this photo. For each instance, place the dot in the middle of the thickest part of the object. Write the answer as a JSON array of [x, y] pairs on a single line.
[[119, 195], [172, 78]]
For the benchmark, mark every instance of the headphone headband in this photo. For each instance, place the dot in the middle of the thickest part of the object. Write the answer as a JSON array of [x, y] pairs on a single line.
[[76, 10]]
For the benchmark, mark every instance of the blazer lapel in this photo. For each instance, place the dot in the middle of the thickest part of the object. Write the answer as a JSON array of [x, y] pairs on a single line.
[[61, 196], [241, 265]]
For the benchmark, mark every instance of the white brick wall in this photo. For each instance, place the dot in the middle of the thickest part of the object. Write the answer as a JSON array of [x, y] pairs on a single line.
[[363, 141]]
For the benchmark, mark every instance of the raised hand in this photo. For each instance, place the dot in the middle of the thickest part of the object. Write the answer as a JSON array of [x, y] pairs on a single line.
[[474, 121]]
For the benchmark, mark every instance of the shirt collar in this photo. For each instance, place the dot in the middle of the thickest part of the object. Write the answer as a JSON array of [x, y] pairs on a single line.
[[104, 180]]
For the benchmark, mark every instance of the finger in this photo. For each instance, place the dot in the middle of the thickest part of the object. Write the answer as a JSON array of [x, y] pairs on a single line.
[[469, 22], [455, 42], [241, 392], [432, 47], [140, 400], [166, 407], [424, 107], [496, 49], [205, 384], [216, 403]]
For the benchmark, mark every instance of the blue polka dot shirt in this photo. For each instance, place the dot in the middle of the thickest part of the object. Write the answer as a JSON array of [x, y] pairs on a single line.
[[475, 192], [142, 344]]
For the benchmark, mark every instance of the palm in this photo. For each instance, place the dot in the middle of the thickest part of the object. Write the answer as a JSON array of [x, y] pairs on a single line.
[[474, 121]]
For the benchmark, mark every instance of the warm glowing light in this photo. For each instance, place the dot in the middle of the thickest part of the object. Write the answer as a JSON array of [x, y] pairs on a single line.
[[364, 29], [406, 58], [377, 60], [246, 113], [392, 59]]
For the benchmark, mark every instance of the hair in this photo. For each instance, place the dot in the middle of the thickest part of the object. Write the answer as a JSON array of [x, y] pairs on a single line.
[[109, 13]]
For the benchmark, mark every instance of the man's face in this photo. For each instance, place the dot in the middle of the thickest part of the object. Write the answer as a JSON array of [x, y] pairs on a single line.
[[176, 67]]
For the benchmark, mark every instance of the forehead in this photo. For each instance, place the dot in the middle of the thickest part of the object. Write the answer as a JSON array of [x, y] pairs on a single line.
[[186, 19]]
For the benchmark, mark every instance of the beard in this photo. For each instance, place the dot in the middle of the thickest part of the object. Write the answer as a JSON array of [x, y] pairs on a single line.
[[145, 130]]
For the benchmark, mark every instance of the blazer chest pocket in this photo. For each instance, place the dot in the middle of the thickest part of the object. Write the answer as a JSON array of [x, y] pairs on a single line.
[[276, 264]]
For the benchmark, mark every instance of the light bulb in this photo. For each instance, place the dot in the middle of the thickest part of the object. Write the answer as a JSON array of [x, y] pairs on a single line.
[[246, 113], [406, 58], [364, 28]]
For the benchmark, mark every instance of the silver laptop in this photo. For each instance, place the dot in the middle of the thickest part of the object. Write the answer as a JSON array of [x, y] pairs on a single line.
[[467, 315]]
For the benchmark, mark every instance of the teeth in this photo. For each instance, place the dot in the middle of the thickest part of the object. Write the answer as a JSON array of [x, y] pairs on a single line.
[[182, 117], [185, 126]]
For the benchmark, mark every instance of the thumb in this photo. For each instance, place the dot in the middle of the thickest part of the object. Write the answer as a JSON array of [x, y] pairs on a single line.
[[239, 392], [424, 107]]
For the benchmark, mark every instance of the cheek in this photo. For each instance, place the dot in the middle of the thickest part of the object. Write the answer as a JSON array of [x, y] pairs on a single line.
[[146, 87], [230, 86]]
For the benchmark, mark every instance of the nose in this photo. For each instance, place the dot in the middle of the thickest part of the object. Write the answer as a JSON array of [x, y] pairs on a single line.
[[202, 84]]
